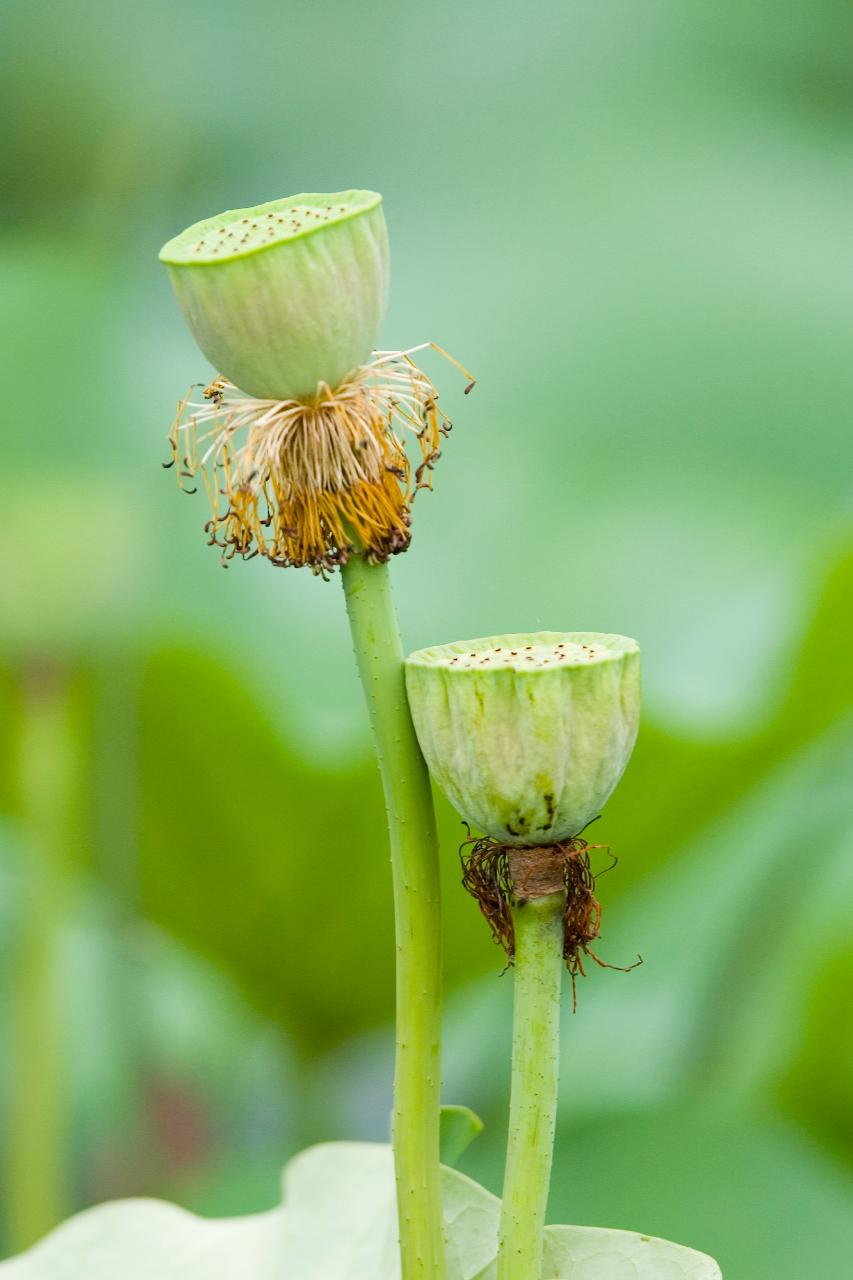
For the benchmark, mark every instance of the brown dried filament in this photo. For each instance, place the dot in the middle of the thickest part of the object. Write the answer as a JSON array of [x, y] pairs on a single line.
[[500, 876]]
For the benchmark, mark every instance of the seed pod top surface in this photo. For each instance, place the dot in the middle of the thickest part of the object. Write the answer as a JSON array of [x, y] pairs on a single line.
[[527, 734], [286, 295]]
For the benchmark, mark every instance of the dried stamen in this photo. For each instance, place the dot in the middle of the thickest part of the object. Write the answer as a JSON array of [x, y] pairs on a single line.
[[502, 875], [308, 483]]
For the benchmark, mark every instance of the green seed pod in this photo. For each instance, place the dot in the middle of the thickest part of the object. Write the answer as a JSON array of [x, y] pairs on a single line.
[[527, 734], [288, 295]]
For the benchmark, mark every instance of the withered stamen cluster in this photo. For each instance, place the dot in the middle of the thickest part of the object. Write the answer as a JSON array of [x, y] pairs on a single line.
[[500, 875], [307, 483]]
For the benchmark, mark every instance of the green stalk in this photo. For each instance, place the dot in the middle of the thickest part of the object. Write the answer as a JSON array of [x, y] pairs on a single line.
[[35, 1189], [538, 971], [417, 908]]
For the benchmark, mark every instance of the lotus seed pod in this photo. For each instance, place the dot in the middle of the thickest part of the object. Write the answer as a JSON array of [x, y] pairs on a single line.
[[527, 734], [288, 295]]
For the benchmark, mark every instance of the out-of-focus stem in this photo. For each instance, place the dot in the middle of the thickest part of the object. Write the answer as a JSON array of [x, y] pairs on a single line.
[[414, 861], [538, 927], [35, 1193]]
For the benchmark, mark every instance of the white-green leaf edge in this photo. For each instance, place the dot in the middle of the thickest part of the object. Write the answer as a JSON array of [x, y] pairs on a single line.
[[337, 1222]]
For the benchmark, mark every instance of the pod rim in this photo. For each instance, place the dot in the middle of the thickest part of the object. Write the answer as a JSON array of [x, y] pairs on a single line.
[[180, 250], [614, 648]]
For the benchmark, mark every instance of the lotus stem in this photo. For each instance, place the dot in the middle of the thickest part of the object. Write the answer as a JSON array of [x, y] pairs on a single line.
[[539, 965], [417, 908]]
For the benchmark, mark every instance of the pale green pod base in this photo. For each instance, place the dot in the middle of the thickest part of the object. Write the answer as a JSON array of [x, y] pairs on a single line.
[[527, 734], [286, 295]]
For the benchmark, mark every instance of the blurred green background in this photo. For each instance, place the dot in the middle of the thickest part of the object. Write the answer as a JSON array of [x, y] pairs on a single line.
[[631, 219]]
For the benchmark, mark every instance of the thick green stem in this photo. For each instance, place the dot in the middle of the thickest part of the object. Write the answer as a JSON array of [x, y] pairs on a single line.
[[35, 1189], [414, 861], [535, 1078]]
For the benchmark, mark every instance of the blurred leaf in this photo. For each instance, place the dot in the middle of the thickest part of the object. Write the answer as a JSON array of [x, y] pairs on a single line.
[[459, 1127], [164, 1069], [254, 854], [816, 1087], [9, 702], [592, 1253], [338, 1220], [719, 1177], [820, 689], [674, 786], [150, 1240], [75, 583]]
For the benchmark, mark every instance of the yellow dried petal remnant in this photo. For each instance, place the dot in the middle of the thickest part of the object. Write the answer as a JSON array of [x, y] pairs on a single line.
[[309, 483]]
